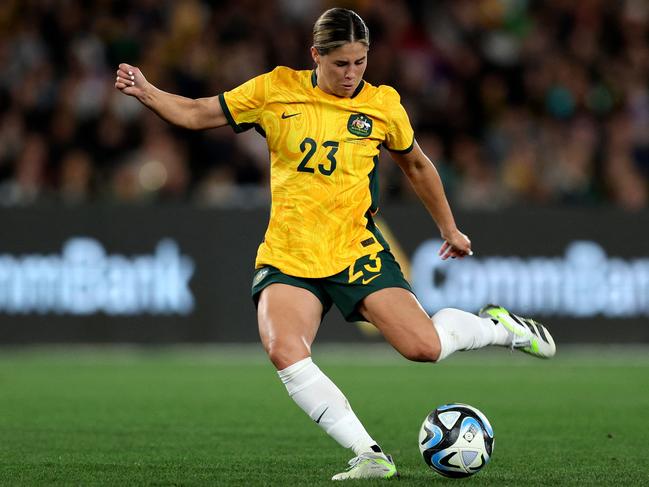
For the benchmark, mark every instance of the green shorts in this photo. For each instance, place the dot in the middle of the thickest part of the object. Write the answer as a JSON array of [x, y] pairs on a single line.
[[346, 289]]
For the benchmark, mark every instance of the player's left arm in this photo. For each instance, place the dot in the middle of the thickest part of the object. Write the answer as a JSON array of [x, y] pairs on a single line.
[[425, 180]]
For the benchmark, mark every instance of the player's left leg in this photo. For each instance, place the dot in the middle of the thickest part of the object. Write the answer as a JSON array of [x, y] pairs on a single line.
[[407, 327]]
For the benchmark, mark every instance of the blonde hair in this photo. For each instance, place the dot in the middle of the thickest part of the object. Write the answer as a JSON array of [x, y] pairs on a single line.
[[336, 27]]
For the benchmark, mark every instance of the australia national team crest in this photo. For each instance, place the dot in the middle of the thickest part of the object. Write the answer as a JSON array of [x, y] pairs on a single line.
[[260, 275], [360, 125]]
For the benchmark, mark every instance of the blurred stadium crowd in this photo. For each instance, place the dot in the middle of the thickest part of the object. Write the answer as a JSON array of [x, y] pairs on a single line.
[[518, 102]]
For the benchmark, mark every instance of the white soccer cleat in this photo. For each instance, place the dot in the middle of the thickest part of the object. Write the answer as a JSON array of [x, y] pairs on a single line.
[[528, 335], [369, 465]]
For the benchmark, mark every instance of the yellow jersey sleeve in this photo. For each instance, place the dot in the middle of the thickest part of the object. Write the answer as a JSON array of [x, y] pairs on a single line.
[[400, 137], [244, 104]]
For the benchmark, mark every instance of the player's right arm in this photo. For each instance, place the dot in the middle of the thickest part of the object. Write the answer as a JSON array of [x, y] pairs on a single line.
[[195, 114]]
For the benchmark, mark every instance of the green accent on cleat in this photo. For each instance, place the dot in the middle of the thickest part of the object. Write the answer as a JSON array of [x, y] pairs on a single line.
[[369, 465], [528, 336]]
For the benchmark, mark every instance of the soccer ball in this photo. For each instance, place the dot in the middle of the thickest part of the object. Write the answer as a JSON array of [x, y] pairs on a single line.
[[456, 440]]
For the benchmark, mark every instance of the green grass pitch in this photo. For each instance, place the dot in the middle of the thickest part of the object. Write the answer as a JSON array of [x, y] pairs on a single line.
[[220, 416]]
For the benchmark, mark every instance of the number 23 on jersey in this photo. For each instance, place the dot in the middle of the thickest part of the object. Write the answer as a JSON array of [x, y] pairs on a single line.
[[309, 148]]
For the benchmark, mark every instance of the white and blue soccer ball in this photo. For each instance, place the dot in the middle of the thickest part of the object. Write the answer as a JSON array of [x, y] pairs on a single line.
[[456, 440]]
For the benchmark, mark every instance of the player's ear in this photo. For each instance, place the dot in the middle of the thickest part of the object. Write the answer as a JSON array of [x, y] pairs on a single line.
[[315, 55]]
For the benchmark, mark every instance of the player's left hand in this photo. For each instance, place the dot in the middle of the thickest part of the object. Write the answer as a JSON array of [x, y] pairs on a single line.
[[456, 245]]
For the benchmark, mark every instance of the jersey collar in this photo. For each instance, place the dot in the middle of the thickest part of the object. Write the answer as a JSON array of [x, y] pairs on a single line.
[[314, 83]]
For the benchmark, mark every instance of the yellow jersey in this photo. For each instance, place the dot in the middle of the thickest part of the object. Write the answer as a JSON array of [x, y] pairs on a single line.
[[323, 154]]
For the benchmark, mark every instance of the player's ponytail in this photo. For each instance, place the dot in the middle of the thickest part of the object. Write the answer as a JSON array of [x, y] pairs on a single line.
[[336, 27]]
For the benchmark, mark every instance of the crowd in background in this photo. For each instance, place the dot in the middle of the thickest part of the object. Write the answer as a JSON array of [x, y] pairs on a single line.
[[517, 102]]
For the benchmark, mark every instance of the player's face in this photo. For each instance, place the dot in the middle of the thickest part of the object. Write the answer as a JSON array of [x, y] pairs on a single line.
[[341, 71]]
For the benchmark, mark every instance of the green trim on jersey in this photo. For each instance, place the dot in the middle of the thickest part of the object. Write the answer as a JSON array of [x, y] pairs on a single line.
[[238, 127], [358, 89], [402, 151], [314, 83], [374, 205], [371, 226], [226, 111], [374, 186]]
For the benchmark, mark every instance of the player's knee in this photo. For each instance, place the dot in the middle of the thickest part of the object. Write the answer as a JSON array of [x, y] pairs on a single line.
[[446, 314], [285, 352], [421, 351]]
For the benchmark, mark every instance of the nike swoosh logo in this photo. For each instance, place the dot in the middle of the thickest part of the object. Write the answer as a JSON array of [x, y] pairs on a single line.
[[320, 417], [367, 281], [285, 116]]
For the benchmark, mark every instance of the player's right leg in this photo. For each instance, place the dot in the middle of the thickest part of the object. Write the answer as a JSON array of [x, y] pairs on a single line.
[[289, 318]]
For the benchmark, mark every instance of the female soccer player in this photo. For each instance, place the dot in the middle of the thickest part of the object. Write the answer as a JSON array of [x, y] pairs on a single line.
[[324, 129]]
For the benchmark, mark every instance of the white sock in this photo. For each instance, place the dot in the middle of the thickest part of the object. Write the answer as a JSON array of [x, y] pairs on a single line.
[[459, 330], [319, 397]]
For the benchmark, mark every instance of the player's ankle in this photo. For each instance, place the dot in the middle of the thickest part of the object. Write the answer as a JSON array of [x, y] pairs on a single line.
[[365, 446]]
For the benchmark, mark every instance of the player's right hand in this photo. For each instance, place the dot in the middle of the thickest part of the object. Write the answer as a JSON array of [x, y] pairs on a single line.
[[130, 80]]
